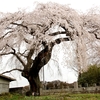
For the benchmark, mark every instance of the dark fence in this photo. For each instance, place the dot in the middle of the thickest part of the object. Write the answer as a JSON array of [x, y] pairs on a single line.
[[71, 90]]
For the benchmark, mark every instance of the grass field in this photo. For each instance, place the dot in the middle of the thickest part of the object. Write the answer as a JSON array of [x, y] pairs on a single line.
[[51, 97]]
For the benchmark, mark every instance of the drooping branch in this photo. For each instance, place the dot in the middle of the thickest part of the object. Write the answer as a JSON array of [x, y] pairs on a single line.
[[17, 56], [11, 71]]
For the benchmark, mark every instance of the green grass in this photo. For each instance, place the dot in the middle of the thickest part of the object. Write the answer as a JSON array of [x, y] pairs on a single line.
[[51, 97]]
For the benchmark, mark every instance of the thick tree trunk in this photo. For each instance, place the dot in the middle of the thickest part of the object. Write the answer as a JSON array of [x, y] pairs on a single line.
[[34, 82], [32, 76], [40, 60]]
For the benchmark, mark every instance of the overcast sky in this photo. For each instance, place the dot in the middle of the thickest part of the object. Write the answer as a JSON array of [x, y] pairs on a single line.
[[14, 5], [79, 5]]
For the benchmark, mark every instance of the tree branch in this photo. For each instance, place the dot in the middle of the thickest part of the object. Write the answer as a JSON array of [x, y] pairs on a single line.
[[14, 53], [35, 24], [12, 70], [96, 36], [20, 25], [67, 33], [22, 54], [57, 33], [59, 40], [6, 53], [6, 34]]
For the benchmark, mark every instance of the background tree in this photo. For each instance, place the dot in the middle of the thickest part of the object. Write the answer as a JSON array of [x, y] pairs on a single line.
[[91, 76], [30, 37]]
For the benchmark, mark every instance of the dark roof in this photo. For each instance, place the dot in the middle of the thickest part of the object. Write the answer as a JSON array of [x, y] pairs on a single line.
[[7, 78]]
